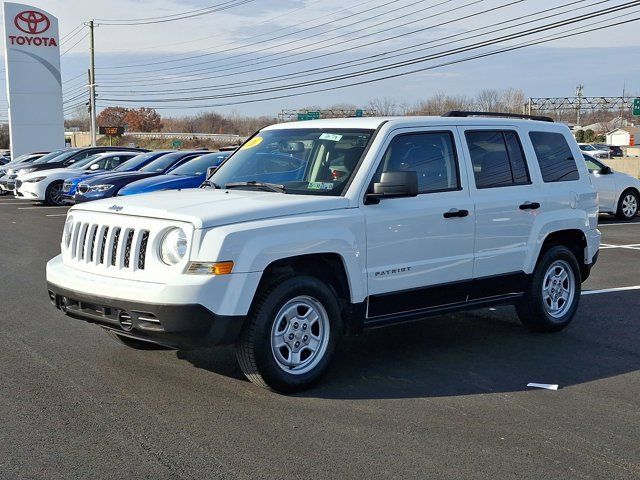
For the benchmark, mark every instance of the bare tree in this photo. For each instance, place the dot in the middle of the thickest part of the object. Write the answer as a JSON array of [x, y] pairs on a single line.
[[488, 100], [384, 106]]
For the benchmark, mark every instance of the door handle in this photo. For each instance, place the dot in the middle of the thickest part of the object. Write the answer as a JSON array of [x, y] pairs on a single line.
[[454, 212], [530, 206]]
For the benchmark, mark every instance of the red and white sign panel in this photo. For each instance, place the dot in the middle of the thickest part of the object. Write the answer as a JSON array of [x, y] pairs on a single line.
[[34, 84]]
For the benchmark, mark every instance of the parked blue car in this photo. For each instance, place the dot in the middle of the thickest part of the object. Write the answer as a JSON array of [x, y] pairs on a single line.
[[187, 175], [70, 186], [109, 185]]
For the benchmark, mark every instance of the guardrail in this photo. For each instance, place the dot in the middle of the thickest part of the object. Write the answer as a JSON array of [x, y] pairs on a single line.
[[221, 137]]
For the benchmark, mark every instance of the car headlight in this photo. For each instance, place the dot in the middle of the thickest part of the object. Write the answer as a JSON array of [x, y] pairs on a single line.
[[34, 179], [100, 188], [173, 246], [68, 230], [23, 171]]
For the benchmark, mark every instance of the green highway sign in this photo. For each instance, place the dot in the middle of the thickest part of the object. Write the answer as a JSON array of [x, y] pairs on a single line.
[[176, 144], [359, 113], [636, 107], [309, 116]]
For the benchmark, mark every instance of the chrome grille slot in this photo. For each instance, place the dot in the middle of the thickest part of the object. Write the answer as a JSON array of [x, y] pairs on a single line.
[[142, 251], [103, 244], [92, 244], [127, 248], [81, 240], [114, 246]]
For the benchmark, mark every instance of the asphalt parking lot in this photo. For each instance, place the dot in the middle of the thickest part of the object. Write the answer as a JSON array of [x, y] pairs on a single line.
[[445, 398]]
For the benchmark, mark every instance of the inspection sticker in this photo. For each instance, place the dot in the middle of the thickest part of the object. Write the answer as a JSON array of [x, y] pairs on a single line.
[[252, 143], [320, 186], [334, 137]]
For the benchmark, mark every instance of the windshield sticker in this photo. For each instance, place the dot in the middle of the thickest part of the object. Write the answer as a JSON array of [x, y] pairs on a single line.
[[320, 186], [252, 143], [331, 136]]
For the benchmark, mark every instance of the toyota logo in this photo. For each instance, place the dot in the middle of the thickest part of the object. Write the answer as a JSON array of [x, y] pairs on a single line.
[[32, 22]]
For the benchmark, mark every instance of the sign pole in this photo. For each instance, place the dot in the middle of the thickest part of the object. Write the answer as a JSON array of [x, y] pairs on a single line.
[[92, 84]]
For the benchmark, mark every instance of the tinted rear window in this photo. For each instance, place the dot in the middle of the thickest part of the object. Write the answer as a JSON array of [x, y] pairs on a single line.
[[554, 157]]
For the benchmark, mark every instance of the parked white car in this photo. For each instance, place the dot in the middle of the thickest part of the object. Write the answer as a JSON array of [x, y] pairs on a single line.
[[46, 185], [594, 151], [618, 193], [316, 229]]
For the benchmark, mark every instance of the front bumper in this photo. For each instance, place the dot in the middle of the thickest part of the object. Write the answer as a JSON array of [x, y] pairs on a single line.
[[30, 190], [175, 326]]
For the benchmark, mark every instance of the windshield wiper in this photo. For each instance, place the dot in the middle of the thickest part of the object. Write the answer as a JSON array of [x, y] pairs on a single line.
[[271, 187], [210, 184]]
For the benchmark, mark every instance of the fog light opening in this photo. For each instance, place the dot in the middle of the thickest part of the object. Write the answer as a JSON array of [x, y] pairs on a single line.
[[125, 321]]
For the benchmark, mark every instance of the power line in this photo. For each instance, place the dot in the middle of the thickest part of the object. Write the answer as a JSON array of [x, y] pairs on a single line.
[[68, 37], [246, 45], [74, 45], [480, 55], [371, 58], [315, 41], [171, 18]]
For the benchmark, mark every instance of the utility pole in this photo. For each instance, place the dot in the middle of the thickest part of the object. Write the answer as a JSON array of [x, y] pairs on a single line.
[[579, 95], [92, 84]]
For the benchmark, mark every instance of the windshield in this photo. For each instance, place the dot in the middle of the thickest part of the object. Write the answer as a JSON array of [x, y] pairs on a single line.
[[304, 161], [49, 156], [162, 163], [136, 162], [86, 161], [199, 165]]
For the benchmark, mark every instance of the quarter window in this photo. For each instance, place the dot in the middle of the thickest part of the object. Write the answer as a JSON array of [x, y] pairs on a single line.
[[497, 158], [431, 155], [554, 156]]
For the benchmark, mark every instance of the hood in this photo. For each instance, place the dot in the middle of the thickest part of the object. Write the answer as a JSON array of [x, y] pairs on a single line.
[[53, 172], [119, 178], [212, 208], [162, 182]]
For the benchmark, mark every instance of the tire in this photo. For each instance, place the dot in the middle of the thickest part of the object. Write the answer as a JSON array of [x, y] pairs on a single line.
[[627, 205], [133, 343], [53, 194], [549, 306], [278, 323]]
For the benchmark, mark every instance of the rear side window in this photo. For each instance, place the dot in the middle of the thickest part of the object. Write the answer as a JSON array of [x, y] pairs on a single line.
[[497, 158], [554, 156]]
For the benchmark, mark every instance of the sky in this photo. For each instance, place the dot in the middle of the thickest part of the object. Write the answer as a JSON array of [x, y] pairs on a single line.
[[229, 54]]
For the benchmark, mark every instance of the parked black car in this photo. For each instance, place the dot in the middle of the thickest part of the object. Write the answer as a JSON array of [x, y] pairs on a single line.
[[66, 158]]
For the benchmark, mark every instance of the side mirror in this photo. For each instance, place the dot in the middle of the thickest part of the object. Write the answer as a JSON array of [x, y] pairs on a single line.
[[606, 170], [211, 171], [95, 166], [394, 184]]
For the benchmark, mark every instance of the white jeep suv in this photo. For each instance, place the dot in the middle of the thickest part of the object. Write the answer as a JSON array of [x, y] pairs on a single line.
[[316, 229]]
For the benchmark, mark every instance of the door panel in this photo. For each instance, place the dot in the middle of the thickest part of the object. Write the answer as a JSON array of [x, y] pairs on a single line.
[[505, 213], [410, 243]]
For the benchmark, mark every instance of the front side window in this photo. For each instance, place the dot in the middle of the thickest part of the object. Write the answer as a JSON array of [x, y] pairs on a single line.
[[430, 154], [161, 164], [593, 165], [554, 156], [497, 158], [199, 165], [305, 161]]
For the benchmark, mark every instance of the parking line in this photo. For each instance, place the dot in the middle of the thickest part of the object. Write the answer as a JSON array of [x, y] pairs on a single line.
[[633, 246], [41, 207], [610, 290], [57, 215], [617, 224]]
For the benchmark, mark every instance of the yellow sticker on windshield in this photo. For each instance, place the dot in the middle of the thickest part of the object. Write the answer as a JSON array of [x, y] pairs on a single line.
[[252, 143]]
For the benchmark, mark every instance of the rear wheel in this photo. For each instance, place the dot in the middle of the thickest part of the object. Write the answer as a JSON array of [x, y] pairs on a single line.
[[53, 194], [627, 205], [290, 334], [552, 299]]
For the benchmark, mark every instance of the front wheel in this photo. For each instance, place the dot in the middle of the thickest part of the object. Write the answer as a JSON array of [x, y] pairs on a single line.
[[53, 194], [552, 299], [627, 205], [290, 334]]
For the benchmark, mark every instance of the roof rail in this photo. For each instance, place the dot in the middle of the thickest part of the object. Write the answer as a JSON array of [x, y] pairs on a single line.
[[463, 113]]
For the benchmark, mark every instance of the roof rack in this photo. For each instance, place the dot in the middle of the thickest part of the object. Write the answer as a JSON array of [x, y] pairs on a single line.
[[463, 113]]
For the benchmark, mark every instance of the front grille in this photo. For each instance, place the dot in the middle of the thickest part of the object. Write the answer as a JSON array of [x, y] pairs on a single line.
[[109, 246], [82, 188]]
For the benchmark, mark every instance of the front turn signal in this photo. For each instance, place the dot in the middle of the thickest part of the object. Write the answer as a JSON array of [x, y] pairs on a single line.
[[210, 268]]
